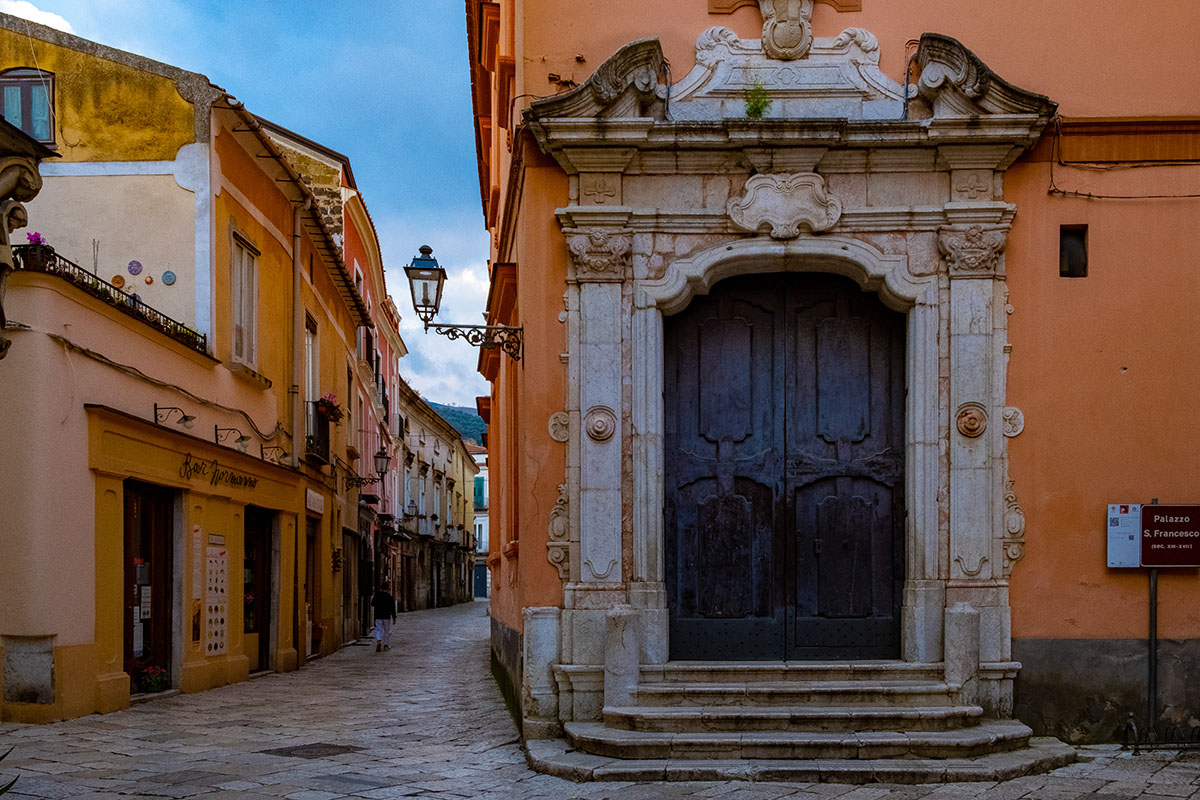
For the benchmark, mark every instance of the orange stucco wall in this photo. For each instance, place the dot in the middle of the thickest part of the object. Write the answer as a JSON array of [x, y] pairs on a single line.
[[1102, 366], [1096, 57], [1104, 369]]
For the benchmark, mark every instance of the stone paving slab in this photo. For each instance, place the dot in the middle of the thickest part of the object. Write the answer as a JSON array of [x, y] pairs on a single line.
[[429, 723]]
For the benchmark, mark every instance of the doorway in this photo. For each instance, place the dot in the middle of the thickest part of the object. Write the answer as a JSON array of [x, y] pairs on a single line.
[[149, 592], [256, 587], [313, 631], [784, 455]]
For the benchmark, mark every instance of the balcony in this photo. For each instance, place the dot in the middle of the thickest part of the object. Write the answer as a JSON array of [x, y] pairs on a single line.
[[38, 258], [316, 442]]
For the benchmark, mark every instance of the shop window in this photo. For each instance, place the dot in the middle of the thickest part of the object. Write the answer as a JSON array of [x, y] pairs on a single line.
[[244, 286], [27, 101]]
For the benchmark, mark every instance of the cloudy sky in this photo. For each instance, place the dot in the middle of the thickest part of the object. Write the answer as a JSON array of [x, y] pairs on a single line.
[[383, 81]]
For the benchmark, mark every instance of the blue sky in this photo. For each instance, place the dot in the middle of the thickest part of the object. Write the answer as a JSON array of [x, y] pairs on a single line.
[[383, 81]]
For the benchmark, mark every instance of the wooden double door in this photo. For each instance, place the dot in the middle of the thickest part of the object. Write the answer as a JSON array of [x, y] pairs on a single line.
[[784, 456]]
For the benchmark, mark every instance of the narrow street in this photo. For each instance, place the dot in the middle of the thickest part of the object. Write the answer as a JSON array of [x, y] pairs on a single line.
[[423, 720]]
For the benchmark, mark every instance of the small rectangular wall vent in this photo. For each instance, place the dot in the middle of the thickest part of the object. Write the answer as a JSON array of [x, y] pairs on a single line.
[[1072, 251]]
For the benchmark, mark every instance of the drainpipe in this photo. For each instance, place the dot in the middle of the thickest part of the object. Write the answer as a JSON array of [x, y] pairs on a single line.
[[298, 420]]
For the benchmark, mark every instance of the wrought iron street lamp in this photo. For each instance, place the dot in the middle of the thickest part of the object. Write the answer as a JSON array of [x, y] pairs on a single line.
[[425, 278], [163, 414], [382, 462], [222, 435]]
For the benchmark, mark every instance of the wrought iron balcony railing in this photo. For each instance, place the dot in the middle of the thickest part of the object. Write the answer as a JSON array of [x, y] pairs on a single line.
[[316, 441], [39, 258]]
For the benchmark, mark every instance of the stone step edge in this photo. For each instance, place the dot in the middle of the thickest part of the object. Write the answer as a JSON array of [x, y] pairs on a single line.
[[555, 757], [810, 710], [885, 685], [969, 742], [794, 713]]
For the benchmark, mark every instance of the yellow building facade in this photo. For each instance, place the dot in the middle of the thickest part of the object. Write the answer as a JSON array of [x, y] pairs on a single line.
[[174, 511]]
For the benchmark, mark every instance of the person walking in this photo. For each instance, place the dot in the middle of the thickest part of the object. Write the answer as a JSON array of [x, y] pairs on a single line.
[[385, 614]]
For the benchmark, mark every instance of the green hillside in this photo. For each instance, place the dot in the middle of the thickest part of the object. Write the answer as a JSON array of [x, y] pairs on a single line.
[[465, 420]]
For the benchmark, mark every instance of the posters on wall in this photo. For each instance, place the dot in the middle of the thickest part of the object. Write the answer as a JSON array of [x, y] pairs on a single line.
[[216, 599]]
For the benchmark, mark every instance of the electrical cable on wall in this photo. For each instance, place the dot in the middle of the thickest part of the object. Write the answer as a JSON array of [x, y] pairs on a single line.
[[1056, 157], [137, 373]]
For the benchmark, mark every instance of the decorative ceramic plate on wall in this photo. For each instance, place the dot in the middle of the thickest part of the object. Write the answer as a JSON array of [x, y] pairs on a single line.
[[135, 267], [168, 277], [149, 279], [118, 281]]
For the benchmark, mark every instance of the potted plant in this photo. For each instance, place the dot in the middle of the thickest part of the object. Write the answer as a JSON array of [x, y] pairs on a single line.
[[38, 255], [327, 407], [153, 679]]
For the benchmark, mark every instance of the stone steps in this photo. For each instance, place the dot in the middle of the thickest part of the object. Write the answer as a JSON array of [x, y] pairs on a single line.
[[809, 717], [555, 757], [787, 671], [797, 692], [978, 740]]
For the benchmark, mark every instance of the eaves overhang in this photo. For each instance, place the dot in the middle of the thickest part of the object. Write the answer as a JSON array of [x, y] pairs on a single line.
[[321, 237]]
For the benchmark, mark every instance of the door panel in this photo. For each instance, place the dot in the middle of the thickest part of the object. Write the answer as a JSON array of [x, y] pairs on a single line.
[[726, 555], [149, 528], [784, 408], [845, 445]]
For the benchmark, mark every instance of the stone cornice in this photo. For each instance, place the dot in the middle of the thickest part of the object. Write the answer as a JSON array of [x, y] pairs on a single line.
[[855, 220]]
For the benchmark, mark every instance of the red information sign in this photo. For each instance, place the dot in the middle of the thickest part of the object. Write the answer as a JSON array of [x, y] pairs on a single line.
[[1170, 536]]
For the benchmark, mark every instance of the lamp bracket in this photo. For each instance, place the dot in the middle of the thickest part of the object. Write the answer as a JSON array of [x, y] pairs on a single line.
[[507, 337]]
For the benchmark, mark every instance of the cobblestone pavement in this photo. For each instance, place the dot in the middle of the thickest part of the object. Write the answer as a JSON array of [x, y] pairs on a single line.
[[423, 720]]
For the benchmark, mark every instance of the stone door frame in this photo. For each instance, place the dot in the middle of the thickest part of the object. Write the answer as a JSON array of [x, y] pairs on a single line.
[[872, 270]]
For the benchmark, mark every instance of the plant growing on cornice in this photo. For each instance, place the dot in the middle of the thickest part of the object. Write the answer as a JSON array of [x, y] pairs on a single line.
[[758, 101]]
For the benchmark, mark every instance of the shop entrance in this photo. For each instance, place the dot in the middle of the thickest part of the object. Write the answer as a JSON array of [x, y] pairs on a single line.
[[785, 471], [149, 592], [256, 588], [313, 632]]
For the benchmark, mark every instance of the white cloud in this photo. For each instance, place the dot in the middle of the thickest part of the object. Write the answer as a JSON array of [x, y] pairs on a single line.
[[27, 10], [439, 369]]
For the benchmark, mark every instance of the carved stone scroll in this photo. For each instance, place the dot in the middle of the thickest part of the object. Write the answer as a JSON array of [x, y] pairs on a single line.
[[1014, 421], [558, 547], [558, 426], [973, 250], [599, 255], [20, 182], [1014, 529], [788, 203]]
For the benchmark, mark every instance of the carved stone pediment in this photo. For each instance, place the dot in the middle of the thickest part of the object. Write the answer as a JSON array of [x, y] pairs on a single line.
[[837, 77], [958, 84], [788, 203], [626, 85]]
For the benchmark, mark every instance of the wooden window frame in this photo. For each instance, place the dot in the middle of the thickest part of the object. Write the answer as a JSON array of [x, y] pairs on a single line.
[[25, 79]]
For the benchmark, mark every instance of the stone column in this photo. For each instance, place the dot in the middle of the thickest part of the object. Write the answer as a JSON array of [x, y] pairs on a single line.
[[600, 263], [647, 591], [973, 257]]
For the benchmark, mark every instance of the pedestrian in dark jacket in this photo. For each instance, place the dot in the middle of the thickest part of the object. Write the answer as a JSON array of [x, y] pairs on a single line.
[[385, 614]]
